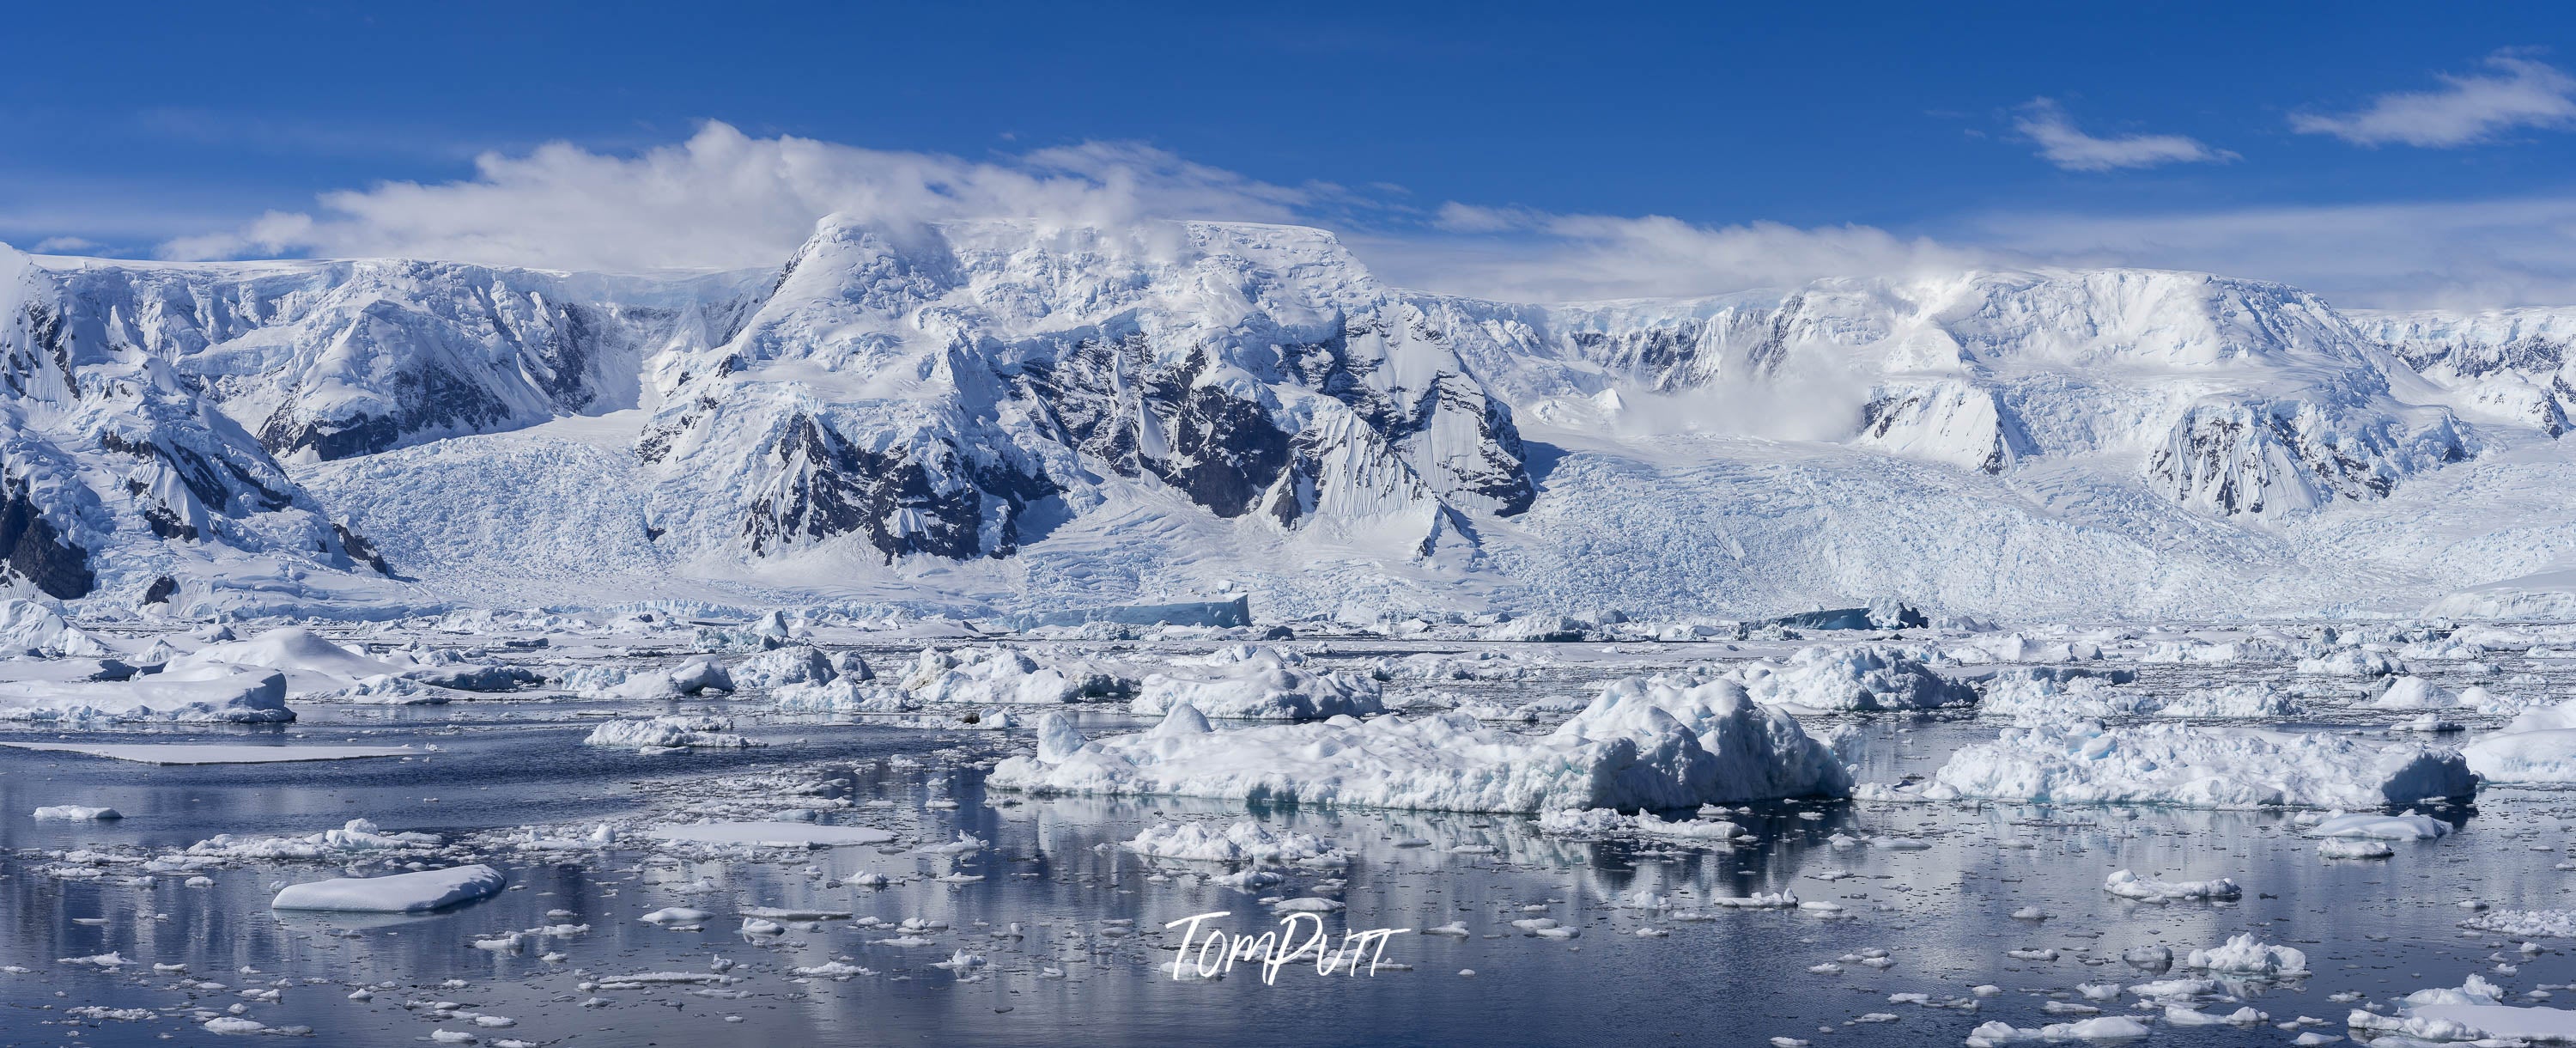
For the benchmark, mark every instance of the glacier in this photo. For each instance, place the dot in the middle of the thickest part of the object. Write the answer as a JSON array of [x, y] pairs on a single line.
[[997, 416]]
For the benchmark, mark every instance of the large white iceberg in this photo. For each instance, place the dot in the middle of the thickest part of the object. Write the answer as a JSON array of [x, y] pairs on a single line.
[[1859, 677], [2200, 768], [1640, 744], [796, 664], [205, 693], [2539, 746], [1255, 682]]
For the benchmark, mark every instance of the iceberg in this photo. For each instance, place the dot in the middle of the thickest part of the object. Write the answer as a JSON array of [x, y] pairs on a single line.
[[999, 676], [2195, 767], [1640, 744], [1858, 678], [203, 695], [1251, 682]]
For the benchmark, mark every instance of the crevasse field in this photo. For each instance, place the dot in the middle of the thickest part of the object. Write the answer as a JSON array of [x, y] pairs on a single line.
[[639, 827]]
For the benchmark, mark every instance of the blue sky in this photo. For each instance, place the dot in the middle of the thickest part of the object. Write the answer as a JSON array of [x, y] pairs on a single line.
[[2384, 154]]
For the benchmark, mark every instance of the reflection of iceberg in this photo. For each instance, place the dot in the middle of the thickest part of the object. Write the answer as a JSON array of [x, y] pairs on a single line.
[[1222, 613]]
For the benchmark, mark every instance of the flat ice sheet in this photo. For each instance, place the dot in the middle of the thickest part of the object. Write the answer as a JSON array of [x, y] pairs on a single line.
[[771, 834], [400, 893], [213, 753]]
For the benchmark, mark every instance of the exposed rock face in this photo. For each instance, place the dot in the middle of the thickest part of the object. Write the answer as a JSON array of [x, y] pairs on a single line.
[[32, 551], [2242, 398], [921, 393], [2509, 365]]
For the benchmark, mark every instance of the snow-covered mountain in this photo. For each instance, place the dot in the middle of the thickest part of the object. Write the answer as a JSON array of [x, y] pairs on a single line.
[[997, 414]]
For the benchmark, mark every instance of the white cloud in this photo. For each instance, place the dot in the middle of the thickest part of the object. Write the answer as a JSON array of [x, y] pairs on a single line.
[[2471, 109], [1523, 255], [722, 199], [2464, 254], [2067, 146], [66, 245], [726, 200]]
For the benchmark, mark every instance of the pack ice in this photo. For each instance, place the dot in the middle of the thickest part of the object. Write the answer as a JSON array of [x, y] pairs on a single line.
[[1642, 743]]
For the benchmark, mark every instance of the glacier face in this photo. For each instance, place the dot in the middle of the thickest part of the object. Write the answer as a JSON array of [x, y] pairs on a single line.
[[995, 413]]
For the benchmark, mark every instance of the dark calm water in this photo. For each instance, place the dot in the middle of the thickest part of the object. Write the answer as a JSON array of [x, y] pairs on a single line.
[[2379, 928]]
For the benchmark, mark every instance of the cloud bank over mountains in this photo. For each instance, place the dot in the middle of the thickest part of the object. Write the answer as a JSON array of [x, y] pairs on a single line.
[[723, 199]]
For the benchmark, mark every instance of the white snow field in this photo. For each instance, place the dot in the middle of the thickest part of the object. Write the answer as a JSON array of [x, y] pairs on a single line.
[[1640, 744], [412, 892], [2200, 768]]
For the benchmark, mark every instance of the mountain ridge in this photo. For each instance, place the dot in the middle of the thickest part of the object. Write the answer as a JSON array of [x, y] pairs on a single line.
[[963, 392]]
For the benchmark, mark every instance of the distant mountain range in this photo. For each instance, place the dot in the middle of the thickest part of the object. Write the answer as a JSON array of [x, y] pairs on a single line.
[[997, 416]]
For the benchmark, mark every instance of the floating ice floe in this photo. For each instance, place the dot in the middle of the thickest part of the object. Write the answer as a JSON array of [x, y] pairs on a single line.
[[797, 664], [771, 834], [75, 813], [2046, 695], [1858, 677], [1255, 682], [214, 753], [999, 676], [2245, 957], [2206, 653], [672, 732], [2412, 693], [2348, 848], [2351, 662], [1605, 822], [2372, 826], [2251, 701], [1245, 840], [2099, 1028], [2128, 885], [2525, 923], [1477, 665], [2473, 1013], [357, 837], [398, 893], [1640, 744], [2201, 768], [2043, 692], [218, 694]]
